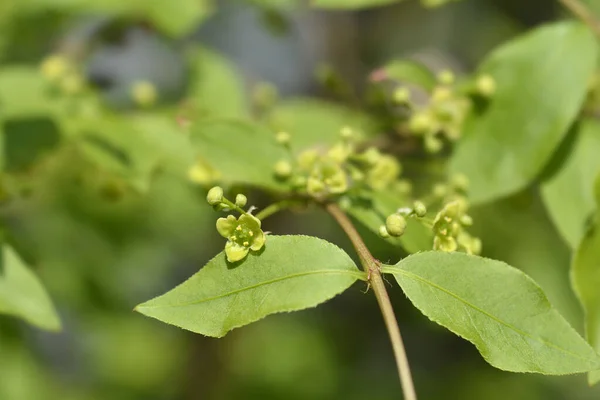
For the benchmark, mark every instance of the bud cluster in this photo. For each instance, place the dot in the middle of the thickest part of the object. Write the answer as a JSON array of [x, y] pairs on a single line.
[[324, 173], [395, 224], [450, 223], [442, 117], [449, 229]]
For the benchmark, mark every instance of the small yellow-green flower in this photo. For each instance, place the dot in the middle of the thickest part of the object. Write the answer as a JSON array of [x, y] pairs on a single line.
[[385, 172], [243, 234], [144, 93], [327, 177]]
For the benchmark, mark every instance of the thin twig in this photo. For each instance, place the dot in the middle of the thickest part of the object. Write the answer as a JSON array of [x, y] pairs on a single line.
[[581, 11], [372, 268], [279, 206]]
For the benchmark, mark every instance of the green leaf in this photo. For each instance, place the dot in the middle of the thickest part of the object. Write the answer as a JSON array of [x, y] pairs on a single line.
[[26, 140], [407, 71], [518, 231], [373, 212], [216, 89], [25, 93], [293, 273], [569, 193], [241, 151], [542, 80], [351, 4], [175, 18], [499, 309], [22, 294], [134, 147], [585, 277], [316, 122]]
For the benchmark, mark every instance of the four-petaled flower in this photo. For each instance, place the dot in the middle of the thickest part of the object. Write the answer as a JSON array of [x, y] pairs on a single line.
[[243, 234]]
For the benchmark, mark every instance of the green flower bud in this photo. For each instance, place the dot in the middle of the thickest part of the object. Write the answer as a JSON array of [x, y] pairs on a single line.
[[264, 94], [283, 169], [446, 77], [307, 159], [144, 93], [452, 209], [202, 173], [403, 186], [395, 224], [460, 182], [440, 190], [385, 172], [241, 200], [466, 220], [401, 95], [432, 144], [486, 85], [347, 133], [299, 182], [72, 84], [345, 203], [315, 186], [371, 156], [420, 209], [340, 152], [215, 196], [383, 232], [283, 138], [55, 67], [420, 123], [441, 95]]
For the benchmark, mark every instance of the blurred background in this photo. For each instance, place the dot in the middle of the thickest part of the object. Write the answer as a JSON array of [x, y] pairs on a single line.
[[101, 249]]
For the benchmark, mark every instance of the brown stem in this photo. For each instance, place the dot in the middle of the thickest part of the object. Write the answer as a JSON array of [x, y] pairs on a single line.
[[581, 11], [372, 268]]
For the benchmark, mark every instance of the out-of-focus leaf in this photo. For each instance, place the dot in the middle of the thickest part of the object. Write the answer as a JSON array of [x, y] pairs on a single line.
[[351, 4], [569, 193], [316, 122], [406, 71], [508, 141], [242, 152], [135, 147], [216, 89], [585, 276], [175, 18], [23, 295], [292, 273], [25, 93], [26, 140], [498, 308], [373, 212]]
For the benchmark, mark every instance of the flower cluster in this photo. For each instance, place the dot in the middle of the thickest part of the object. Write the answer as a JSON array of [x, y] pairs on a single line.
[[442, 116], [323, 173], [244, 233], [449, 225], [449, 229]]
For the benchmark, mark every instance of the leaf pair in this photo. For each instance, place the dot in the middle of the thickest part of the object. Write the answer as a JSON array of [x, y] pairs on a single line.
[[496, 307]]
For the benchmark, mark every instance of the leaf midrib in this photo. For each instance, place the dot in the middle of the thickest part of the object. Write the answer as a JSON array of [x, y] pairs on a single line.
[[357, 274], [474, 307]]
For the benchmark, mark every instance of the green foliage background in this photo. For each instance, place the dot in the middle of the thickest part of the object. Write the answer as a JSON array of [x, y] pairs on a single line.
[[98, 207]]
